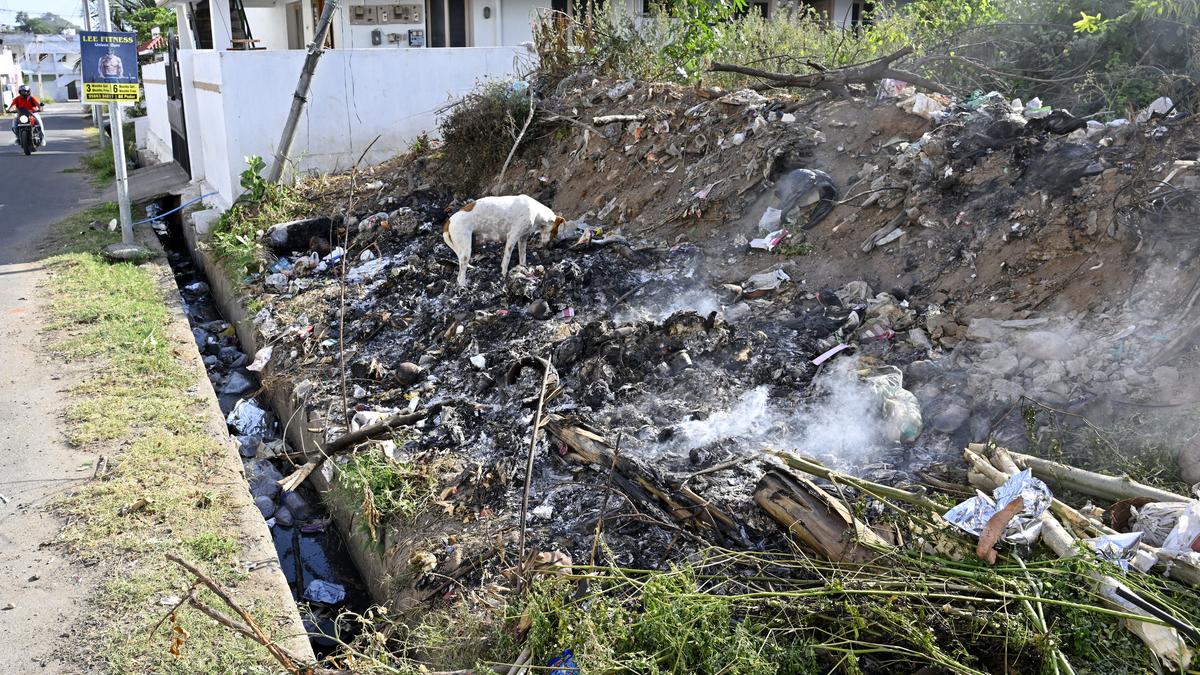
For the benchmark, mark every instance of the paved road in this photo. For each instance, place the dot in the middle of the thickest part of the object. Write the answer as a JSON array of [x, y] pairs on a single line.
[[40, 591]]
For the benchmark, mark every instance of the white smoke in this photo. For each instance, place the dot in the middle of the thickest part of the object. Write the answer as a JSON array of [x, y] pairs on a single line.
[[842, 424], [699, 300]]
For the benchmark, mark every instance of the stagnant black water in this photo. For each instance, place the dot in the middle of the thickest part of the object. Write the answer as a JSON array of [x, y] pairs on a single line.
[[312, 554]]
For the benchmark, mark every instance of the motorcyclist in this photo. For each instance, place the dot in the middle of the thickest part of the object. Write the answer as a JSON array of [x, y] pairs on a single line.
[[27, 103]]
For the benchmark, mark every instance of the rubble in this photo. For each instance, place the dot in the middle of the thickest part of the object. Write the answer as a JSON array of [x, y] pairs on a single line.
[[970, 265]]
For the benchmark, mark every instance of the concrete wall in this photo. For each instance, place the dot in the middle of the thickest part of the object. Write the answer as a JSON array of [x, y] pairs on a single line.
[[358, 36], [154, 130], [268, 25], [356, 95]]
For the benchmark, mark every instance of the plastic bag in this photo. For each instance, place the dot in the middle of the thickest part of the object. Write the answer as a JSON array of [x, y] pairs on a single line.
[[1185, 537], [899, 407]]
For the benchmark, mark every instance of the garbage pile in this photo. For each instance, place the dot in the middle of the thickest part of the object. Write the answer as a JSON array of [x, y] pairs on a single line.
[[946, 261]]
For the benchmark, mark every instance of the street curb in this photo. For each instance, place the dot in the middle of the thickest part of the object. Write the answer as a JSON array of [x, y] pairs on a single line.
[[266, 584]]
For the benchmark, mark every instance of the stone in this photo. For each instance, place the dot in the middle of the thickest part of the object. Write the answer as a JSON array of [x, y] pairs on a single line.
[[1046, 345], [951, 418], [265, 506], [1165, 378], [985, 329], [211, 362], [293, 502], [921, 371], [919, 339], [992, 390], [201, 336], [1003, 364], [126, 253], [284, 517], [539, 309], [408, 373], [248, 446], [237, 383]]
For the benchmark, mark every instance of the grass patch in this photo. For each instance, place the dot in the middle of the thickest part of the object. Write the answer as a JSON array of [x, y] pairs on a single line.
[[154, 499]]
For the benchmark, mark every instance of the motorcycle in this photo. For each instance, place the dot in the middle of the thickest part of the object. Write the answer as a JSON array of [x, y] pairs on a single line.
[[29, 132]]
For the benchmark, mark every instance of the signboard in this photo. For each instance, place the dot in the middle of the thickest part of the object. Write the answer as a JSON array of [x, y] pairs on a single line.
[[110, 67]]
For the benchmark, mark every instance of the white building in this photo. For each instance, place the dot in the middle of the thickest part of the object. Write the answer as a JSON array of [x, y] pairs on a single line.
[[49, 64], [224, 93], [10, 75]]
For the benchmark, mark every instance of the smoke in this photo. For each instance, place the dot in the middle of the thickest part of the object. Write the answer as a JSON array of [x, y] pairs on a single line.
[[840, 425], [657, 308]]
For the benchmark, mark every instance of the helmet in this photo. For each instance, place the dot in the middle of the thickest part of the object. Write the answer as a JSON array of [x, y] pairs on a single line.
[[23, 90]]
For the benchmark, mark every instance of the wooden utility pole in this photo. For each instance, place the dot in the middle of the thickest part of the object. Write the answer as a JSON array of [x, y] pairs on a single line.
[[97, 118], [300, 98]]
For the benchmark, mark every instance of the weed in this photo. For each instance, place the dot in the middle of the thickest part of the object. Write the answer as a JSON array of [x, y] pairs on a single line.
[[479, 132], [210, 547], [795, 248], [237, 234], [99, 162], [385, 487]]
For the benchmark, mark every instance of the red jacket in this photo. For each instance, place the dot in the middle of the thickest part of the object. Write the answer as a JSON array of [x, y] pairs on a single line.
[[27, 103]]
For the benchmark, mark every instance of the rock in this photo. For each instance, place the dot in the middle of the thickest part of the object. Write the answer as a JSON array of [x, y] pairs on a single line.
[[539, 309], [918, 338], [265, 506], [951, 418], [201, 336], [126, 253], [1045, 345], [211, 361], [408, 373], [1003, 364], [1165, 378], [918, 372], [985, 329], [427, 361], [284, 517], [992, 390], [479, 361], [248, 446], [293, 502], [237, 383], [681, 361]]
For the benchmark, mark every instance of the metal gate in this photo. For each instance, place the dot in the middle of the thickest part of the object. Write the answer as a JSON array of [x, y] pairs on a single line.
[[175, 111]]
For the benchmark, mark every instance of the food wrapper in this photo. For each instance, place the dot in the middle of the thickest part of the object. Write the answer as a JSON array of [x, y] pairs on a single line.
[[1118, 549], [973, 514]]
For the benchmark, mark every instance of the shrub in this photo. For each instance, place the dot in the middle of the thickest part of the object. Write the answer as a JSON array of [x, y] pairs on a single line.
[[479, 132]]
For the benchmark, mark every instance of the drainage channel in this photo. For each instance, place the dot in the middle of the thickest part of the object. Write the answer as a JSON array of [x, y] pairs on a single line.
[[312, 553]]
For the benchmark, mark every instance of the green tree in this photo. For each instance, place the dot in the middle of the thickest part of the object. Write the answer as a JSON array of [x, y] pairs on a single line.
[[141, 17], [46, 24]]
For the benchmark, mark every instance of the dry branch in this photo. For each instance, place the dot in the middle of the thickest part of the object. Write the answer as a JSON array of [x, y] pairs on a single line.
[[1113, 488], [839, 79], [642, 485]]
